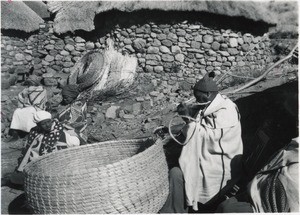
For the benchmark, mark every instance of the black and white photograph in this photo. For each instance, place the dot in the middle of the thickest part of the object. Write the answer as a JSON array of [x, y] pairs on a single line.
[[149, 107]]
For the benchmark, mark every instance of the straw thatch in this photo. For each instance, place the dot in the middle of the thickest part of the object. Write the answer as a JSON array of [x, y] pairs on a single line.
[[69, 18], [39, 7], [18, 16]]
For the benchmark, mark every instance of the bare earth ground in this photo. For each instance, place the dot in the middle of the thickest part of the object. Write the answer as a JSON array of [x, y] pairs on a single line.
[[126, 129]]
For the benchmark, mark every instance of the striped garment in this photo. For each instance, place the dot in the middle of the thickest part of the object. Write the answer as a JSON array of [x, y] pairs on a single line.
[[33, 96], [30, 100]]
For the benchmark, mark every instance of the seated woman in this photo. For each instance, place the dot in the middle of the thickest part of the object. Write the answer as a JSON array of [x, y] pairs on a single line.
[[30, 100], [48, 136], [73, 117]]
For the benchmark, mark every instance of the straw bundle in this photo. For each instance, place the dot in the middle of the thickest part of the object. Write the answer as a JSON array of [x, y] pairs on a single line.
[[127, 176], [103, 73]]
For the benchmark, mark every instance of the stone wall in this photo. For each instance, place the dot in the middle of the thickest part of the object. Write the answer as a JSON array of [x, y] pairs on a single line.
[[169, 54]]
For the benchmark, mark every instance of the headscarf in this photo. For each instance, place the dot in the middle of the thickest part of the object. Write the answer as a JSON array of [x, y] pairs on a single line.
[[207, 84], [71, 91], [41, 115]]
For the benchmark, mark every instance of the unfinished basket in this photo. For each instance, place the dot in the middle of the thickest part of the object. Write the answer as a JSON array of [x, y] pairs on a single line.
[[126, 176]]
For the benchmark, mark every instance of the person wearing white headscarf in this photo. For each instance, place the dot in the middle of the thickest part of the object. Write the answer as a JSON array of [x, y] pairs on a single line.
[[48, 136], [30, 100]]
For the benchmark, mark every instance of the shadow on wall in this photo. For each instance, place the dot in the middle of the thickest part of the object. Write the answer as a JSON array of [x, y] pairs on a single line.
[[106, 22]]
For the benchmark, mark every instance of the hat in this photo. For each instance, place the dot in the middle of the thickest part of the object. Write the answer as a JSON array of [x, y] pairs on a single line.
[[41, 115], [207, 84]]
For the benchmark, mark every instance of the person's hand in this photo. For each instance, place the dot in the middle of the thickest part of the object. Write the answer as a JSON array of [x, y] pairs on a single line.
[[183, 109]]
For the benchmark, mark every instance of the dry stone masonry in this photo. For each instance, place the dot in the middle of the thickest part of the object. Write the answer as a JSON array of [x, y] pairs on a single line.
[[171, 58]]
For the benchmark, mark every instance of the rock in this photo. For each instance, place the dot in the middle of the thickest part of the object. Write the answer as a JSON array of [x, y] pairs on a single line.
[[149, 68], [233, 42], [140, 99], [158, 69], [129, 48], [28, 58], [89, 45], [153, 57], [167, 58], [215, 46], [161, 36], [195, 45], [175, 49], [45, 63], [136, 108], [167, 43], [19, 57], [240, 41], [224, 53], [227, 63], [231, 58], [179, 57], [68, 64], [64, 53], [49, 58], [164, 49], [233, 51], [245, 47], [9, 48], [156, 42], [241, 63], [49, 47], [50, 81], [153, 50], [79, 40], [172, 37], [127, 41], [69, 47], [139, 44], [208, 39], [154, 93], [111, 112], [206, 45]]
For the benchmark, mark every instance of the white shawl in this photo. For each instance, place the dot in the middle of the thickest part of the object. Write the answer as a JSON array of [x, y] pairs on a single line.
[[213, 140]]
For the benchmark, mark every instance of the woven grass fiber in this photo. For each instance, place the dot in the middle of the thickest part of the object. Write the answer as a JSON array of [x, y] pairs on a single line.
[[126, 176]]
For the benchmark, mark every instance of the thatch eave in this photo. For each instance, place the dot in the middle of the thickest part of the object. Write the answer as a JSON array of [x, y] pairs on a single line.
[[18, 16], [69, 18], [39, 8]]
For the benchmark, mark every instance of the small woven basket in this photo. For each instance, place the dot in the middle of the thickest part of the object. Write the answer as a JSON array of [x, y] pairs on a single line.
[[126, 176]]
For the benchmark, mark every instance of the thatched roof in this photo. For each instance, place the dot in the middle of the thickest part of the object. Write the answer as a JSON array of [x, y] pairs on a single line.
[[18, 16], [39, 7], [70, 18]]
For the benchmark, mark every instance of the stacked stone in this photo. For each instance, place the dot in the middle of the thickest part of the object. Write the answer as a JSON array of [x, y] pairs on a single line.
[[171, 54], [16, 59]]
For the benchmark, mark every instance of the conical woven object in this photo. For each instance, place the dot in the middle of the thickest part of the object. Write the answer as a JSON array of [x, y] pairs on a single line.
[[126, 176]]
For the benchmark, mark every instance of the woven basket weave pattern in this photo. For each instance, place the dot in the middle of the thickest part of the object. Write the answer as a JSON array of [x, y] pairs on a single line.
[[128, 176]]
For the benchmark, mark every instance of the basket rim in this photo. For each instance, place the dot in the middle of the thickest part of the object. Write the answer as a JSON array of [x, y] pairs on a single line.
[[34, 174]]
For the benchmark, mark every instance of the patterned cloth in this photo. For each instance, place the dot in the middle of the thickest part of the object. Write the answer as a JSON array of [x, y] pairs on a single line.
[[40, 143], [74, 118]]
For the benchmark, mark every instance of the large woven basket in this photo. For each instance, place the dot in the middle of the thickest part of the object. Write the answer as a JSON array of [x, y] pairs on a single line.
[[127, 176]]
